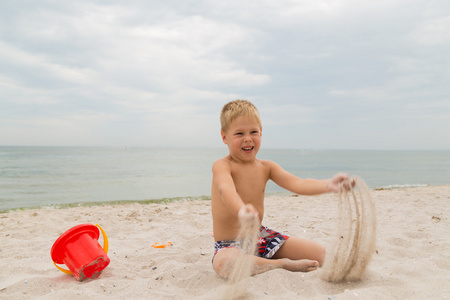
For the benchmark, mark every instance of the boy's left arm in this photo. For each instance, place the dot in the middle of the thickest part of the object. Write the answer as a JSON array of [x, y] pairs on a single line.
[[306, 186]]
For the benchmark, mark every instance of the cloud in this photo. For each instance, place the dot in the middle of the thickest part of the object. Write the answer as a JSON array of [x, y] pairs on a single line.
[[157, 73]]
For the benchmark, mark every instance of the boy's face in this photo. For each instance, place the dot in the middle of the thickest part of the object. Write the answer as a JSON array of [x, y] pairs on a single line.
[[243, 138]]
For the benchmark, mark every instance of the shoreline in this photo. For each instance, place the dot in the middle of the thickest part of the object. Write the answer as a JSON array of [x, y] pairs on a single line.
[[411, 261], [106, 203], [181, 199]]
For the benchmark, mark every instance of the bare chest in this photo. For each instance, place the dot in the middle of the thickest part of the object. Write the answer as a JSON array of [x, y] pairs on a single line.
[[250, 182]]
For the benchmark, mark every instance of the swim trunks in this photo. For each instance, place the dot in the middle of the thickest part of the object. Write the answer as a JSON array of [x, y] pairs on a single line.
[[269, 242]]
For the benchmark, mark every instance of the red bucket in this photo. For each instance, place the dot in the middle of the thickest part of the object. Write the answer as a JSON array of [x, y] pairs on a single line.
[[79, 250]]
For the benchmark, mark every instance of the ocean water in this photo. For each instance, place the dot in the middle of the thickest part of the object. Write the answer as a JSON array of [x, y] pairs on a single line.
[[66, 176]]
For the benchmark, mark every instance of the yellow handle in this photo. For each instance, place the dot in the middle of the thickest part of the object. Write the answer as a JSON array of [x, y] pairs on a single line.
[[105, 248], [105, 239], [62, 270]]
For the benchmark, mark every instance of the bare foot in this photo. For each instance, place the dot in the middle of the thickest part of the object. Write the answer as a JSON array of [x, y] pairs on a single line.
[[303, 265]]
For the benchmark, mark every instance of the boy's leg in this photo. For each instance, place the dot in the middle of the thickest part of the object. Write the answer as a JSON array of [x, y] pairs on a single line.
[[225, 259], [295, 248]]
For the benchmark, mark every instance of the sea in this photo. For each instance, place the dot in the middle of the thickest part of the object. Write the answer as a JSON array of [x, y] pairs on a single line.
[[37, 177]]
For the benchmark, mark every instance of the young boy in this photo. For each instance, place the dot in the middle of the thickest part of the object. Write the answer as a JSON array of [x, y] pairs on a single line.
[[238, 186]]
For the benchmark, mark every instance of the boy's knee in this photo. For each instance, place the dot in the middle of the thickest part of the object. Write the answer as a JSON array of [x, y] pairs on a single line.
[[321, 256], [222, 265], [217, 266]]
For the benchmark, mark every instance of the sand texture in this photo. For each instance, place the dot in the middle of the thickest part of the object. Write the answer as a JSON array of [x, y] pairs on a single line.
[[412, 258]]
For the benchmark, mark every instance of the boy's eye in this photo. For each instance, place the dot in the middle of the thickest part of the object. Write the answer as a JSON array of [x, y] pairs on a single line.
[[238, 133]]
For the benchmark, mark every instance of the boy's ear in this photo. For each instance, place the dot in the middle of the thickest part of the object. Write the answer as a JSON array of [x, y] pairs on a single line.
[[224, 138]]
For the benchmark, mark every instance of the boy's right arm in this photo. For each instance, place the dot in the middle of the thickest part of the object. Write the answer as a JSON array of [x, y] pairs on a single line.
[[226, 190]]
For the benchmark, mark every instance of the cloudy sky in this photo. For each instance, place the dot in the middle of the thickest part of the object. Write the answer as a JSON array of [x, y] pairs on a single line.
[[343, 74]]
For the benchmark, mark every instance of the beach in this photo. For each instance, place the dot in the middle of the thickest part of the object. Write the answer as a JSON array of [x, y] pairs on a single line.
[[412, 258]]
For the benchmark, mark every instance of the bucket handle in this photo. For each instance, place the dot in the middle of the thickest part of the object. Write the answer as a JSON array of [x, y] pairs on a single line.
[[105, 239], [105, 248]]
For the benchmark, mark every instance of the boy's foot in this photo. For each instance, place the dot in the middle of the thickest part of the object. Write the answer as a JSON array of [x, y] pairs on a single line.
[[303, 265]]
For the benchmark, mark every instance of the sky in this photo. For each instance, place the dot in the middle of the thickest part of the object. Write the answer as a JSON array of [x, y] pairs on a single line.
[[342, 74]]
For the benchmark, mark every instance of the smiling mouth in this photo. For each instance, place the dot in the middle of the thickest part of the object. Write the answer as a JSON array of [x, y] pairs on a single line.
[[248, 148]]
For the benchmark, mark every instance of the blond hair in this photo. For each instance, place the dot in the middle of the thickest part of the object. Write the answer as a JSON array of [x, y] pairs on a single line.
[[234, 109]]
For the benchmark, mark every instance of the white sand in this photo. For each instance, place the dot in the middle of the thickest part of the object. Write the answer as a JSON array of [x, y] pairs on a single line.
[[412, 259]]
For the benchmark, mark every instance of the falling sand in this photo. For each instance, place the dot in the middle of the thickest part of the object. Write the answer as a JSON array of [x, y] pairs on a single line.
[[242, 269], [355, 240], [350, 252]]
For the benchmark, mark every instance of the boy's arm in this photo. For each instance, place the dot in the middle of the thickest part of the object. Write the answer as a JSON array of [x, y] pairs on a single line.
[[306, 186], [226, 190]]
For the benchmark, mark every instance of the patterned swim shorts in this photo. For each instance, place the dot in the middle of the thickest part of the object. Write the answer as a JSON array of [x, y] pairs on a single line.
[[269, 241]]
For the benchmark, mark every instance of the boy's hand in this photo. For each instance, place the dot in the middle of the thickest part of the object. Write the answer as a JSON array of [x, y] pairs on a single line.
[[338, 181], [247, 213]]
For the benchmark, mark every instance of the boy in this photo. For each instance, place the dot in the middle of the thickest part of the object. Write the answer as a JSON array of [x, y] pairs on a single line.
[[238, 186]]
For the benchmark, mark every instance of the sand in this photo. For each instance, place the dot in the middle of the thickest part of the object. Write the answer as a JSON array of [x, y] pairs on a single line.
[[412, 259], [355, 240]]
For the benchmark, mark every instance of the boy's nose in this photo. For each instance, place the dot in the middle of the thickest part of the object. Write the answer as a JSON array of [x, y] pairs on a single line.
[[247, 138]]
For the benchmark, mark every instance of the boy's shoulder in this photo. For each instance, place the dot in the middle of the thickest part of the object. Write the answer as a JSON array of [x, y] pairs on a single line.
[[222, 162], [228, 161]]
